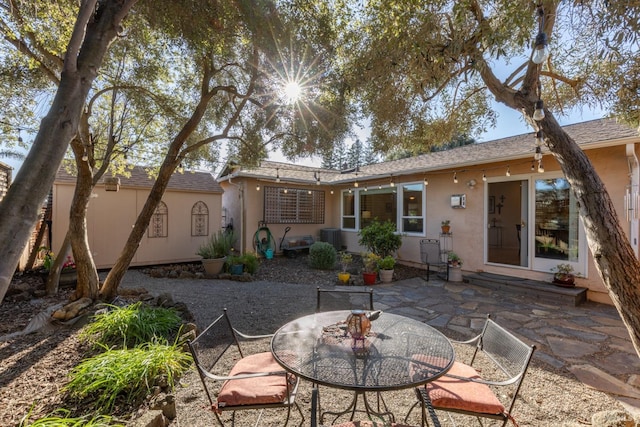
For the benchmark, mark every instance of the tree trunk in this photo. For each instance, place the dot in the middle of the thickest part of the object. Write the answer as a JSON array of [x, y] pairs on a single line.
[[53, 278], [614, 257], [94, 30], [87, 286]]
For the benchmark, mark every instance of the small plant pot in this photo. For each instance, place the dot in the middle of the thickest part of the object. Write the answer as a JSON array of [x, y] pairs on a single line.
[[455, 273], [446, 229], [268, 254], [236, 269], [369, 278], [344, 277], [386, 276], [564, 280]]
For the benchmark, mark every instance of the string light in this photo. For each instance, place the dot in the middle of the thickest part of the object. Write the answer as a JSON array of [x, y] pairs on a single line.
[[533, 166], [309, 192], [539, 138], [286, 191], [455, 177], [85, 156], [541, 46], [366, 188], [258, 187], [392, 184], [278, 175], [540, 167], [331, 191], [349, 190], [484, 177], [508, 171], [426, 181], [538, 155], [538, 113]]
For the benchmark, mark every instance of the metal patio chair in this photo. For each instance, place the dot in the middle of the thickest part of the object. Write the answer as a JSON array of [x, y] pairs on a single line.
[[463, 390], [255, 381], [431, 255], [342, 299]]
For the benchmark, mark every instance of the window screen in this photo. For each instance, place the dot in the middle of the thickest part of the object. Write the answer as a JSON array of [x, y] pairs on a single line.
[[293, 206]]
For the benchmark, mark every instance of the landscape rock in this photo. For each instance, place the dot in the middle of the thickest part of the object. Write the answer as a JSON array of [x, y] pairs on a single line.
[[612, 419]]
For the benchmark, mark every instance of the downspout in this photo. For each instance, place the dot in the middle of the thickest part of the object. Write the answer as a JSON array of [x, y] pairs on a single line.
[[240, 188], [632, 196]]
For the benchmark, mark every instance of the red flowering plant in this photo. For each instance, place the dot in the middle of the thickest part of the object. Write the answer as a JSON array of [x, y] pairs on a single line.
[[69, 264]]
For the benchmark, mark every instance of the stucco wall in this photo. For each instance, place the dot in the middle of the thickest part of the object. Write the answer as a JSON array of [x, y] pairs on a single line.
[[111, 216]]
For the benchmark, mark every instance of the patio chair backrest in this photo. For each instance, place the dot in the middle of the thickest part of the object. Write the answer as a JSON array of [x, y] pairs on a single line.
[[211, 344], [510, 354], [430, 251], [342, 299]]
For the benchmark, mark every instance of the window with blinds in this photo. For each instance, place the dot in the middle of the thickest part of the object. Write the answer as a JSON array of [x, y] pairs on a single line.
[[293, 206]]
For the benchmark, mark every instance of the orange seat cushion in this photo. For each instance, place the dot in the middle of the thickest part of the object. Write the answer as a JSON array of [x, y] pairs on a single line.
[[254, 391], [452, 393]]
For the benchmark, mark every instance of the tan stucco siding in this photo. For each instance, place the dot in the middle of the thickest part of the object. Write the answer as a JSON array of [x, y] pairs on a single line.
[[111, 216]]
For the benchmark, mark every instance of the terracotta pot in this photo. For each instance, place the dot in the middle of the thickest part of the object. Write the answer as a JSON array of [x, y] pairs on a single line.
[[369, 278], [446, 229], [213, 266]]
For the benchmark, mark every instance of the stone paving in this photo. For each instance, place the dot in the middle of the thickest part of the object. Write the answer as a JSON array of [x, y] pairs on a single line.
[[589, 340]]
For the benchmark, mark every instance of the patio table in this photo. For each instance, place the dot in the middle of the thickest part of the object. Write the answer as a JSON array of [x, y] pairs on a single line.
[[317, 348]]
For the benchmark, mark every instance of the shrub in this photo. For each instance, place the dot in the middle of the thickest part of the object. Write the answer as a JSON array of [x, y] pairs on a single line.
[[127, 374], [130, 326], [380, 238], [322, 255], [387, 263], [250, 262], [219, 245]]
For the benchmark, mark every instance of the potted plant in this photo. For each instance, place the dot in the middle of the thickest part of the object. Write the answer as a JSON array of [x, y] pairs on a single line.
[[235, 264], [445, 225], [215, 250], [380, 238], [345, 260], [564, 276], [455, 267], [386, 266], [370, 273]]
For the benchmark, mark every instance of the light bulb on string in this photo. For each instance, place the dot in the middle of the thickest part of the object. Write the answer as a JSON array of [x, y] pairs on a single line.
[[366, 188], [85, 156], [538, 155], [540, 49], [455, 177], [331, 191], [277, 175], [508, 173], [285, 191], [349, 190], [540, 167], [426, 181], [533, 166], [484, 177], [309, 192], [539, 138], [392, 184], [257, 187], [538, 113], [541, 45]]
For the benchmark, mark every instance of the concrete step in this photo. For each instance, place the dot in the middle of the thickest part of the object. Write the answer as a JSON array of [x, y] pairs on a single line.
[[543, 291]]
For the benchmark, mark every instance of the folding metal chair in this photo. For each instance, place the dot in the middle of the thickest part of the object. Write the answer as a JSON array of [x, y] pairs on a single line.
[[255, 381], [431, 255], [463, 390], [342, 299]]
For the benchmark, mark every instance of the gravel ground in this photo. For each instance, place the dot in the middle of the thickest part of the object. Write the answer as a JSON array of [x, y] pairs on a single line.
[[35, 366]]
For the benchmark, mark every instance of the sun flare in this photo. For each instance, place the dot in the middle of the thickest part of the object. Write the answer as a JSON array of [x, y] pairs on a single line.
[[292, 92]]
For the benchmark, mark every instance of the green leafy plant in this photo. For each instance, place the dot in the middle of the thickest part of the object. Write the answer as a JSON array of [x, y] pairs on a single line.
[[454, 259], [445, 222], [370, 261], [219, 245], [322, 255], [130, 326], [61, 418], [387, 263], [380, 238], [126, 374], [345, 261], [47, 257], [249, 261]]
